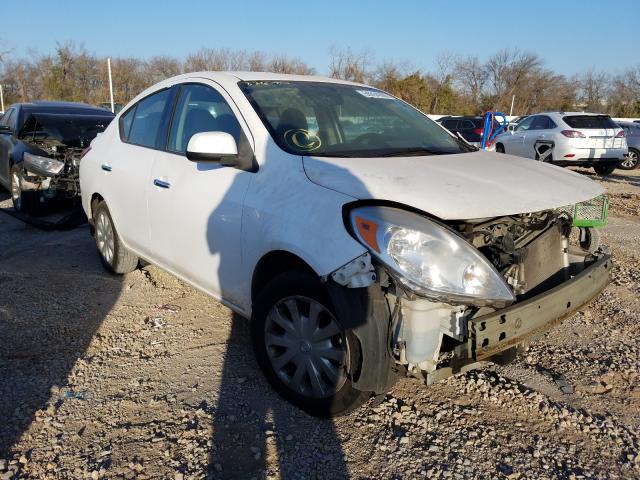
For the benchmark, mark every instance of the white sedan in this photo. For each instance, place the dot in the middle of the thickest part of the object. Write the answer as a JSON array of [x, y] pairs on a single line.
[[357, 235], [568, 139]]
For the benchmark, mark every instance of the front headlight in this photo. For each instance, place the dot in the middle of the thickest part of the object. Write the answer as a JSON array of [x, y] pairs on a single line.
[[45, 166], [428, 258]]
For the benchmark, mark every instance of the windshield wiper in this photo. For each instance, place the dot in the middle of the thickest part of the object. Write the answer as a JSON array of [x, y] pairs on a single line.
[[415, 152], [465, 144]]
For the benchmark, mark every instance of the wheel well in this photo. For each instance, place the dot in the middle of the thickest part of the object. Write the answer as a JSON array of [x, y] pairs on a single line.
[[95, 199], [275, 263], [499, 145]]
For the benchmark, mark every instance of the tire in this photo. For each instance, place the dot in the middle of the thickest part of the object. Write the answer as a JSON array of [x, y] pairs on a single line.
[[499, 148], [631, 162], [604, 170], [589, 239], [115, 257], [23, 202], [284, 352]]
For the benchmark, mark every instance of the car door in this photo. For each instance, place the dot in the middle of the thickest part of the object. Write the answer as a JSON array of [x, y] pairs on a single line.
[[195, 208], [515, 143], [126, 167], [539, 130]]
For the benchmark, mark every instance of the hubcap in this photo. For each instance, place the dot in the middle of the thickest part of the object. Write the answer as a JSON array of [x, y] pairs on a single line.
[[16, 190], [306, 347], [105, 237], [631, 160]]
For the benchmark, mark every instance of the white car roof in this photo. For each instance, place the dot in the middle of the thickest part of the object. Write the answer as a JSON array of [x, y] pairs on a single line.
[[233, 76]]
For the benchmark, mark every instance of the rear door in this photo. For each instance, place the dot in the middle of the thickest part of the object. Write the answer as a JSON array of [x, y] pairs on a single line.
[[126, 167], [540, 130], [514, 143]]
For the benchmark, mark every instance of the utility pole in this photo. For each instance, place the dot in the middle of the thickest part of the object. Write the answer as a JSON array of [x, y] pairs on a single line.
[[113, 107], [513, 99], [1, 100]]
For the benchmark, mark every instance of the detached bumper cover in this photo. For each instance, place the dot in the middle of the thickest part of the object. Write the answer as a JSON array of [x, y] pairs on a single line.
[[498, 331]]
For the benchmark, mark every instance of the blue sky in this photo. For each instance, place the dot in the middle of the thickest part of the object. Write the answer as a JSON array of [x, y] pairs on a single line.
[[571, 36]]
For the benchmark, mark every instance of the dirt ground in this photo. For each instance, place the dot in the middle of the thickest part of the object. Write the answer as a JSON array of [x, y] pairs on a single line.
[[142, 376]]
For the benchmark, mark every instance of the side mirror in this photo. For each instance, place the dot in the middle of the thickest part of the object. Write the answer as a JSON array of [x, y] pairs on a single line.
[[213, 147]]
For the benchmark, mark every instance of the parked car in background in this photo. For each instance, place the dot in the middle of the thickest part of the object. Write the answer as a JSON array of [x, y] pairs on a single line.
[[41, 145], [632, 133], [513, 124], [354, 251], [574, 138], [469, 127]]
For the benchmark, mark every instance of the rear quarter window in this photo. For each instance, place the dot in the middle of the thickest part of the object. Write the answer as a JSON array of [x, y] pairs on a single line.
[[589, 121]]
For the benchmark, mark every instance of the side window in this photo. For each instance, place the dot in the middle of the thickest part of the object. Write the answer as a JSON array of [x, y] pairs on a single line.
[[147, 119], [450, 124], [540, 122], [200, 109], [7, 118], [125, 123], [525, 124], [467, 125]]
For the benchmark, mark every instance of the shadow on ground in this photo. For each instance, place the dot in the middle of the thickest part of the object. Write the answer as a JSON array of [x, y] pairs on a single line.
[[44, 334], [256, 433]]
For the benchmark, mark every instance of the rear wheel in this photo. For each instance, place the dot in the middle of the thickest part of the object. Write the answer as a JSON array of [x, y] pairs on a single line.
[[604, 170], [302, 348], [631, 161], [115, 257]]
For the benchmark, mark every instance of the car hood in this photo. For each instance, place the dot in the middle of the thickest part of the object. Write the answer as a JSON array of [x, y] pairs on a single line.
[[71, 129], [455, 187]]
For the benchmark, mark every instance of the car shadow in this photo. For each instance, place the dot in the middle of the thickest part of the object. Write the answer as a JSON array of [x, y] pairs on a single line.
[[256, 433], [617, 177], [44, 334]]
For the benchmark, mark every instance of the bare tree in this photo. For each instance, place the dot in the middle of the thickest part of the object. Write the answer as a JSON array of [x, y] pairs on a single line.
[[160, 67], [349, 65], [593, 90]]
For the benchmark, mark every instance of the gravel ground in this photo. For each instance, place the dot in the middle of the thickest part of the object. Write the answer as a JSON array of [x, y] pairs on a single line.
[[144, 377]]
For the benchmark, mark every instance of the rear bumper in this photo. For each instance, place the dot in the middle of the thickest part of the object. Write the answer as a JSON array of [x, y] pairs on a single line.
[[587, 162], [496, 332]]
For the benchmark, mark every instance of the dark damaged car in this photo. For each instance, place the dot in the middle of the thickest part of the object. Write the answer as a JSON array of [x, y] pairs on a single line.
[[41, 145]]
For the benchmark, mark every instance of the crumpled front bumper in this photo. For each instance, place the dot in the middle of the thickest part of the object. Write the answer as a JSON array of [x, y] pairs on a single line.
[[503, 329]]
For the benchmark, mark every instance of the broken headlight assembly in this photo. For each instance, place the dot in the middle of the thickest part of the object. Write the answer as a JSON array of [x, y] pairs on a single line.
[[429, 259], [44, 166]]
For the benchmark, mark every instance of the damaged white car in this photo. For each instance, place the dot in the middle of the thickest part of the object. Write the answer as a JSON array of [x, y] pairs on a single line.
[[360, 238]]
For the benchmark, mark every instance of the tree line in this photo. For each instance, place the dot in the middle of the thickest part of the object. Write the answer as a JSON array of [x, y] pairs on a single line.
[[457, 84]]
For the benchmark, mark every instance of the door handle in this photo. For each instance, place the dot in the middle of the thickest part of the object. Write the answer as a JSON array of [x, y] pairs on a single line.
[[106, 167], [161, 183]]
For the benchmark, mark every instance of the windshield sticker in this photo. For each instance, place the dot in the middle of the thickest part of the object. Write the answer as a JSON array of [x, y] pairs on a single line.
[[375, 94], [302, 139]]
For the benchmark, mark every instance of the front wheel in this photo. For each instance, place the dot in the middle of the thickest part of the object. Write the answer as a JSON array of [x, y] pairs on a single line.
[[631, 161], [604, 170], [115, 257], [302, 348], [499, 148]]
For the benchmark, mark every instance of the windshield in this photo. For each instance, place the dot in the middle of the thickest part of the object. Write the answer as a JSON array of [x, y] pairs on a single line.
[[70, 130], [338, 120]]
